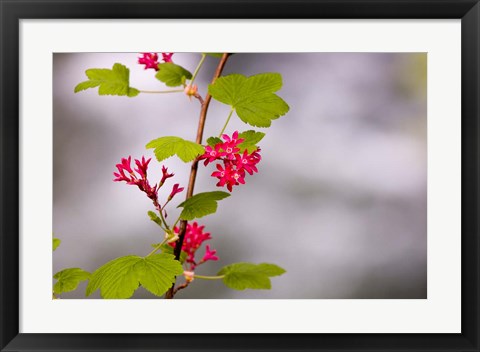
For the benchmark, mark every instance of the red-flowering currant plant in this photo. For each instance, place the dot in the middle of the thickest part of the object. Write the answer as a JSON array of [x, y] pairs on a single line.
[[234, 155]]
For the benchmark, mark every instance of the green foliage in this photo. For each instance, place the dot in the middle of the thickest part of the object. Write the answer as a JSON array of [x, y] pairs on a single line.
[[251, 138], [240, 276], [165, 248], [154, 217], [201, 204], [214, 54], [212, 141], [55, 243], [172, 75], [110, 82], [68, 279], [120, 277], [252, 98], [165, 147]]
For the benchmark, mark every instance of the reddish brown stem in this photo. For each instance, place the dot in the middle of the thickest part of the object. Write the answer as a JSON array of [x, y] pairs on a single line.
[[193, 171]]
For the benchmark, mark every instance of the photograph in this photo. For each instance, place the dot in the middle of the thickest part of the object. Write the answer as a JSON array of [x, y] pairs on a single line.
[[249, 175]]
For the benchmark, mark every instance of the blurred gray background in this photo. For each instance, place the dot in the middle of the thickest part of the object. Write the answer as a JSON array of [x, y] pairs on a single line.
[[340, 200]]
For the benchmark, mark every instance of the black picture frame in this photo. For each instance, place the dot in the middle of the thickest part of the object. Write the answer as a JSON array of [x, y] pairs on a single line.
[[13, 10]]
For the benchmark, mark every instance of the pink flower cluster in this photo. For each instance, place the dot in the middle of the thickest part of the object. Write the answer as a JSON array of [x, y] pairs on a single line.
[[194, 238], [235, 164], [150, 60], [138, 177]]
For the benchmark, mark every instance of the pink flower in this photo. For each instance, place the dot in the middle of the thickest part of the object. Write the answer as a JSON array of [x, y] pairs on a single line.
[[165, 176], [225, 176], [194, 237], [167, 57], [209, 254], [235, 164], [230, 145], [142, 166], [150, 60], [176, 189], [139, 180], [212, 154], [247, 161], [229, 176]]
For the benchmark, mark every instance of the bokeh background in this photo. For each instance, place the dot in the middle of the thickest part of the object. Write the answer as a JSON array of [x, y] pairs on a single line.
[[340, 200]]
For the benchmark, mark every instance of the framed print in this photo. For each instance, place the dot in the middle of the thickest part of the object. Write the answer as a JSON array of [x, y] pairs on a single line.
[[239, 176]]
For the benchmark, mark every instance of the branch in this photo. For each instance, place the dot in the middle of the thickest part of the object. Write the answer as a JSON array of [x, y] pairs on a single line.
[[193, 172]]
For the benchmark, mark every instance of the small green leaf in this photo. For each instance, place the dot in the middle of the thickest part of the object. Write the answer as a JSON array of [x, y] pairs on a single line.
[[201, 204], [165, 147], [240, 276], [120, 277], [172, 75], [56, 242], [252, 98], [109, 82], [251, 138], [212, 141], [154, 217], [69, 279], [165, 248]]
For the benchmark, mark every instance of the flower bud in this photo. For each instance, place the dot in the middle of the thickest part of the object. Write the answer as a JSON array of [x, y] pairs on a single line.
[[189, 275], [191, 90]]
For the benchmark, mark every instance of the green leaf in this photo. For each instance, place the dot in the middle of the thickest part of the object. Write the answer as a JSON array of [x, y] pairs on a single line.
[[157, 272], [120, 277], [214, 54], [109, 82], [154, 217], [165, 147], [165, 248], [56, 242], [252, 98], [69, 279], [212, 141], [201, 204], [240, 276], [251, 138], [172, 75]]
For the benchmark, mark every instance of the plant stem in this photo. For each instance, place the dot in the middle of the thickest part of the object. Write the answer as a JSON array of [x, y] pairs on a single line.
[[176, 222], [226, 123], [209, 277], [195, 73], [193, 170], [161, 91], [160, 211], [156, 248]]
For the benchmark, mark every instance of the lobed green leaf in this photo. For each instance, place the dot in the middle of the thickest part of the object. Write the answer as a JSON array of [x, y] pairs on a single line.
[[212, 141], [165, 147], [251, 138], [120, 277], [172, 75], [241, 276], [69, 279], [201, 204], [109, 82], [252, 98]]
